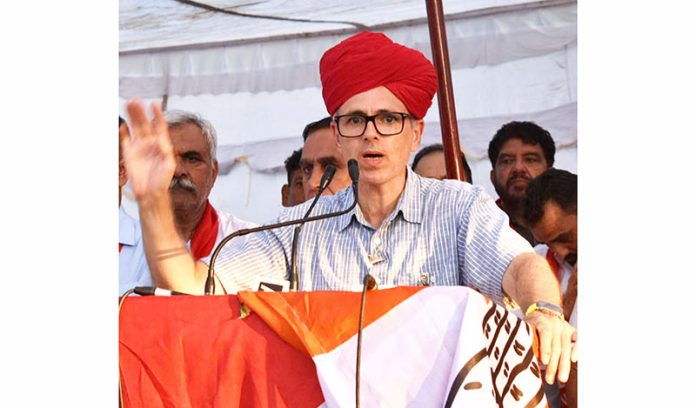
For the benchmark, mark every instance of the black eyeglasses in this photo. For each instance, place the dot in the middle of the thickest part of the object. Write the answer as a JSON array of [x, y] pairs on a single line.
[[386, 123]]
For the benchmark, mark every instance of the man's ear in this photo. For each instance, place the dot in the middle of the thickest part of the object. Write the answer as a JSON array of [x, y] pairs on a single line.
[[284, 193], [334, 129], [216, 168], [417, 135], [493, 176], [122, 178]]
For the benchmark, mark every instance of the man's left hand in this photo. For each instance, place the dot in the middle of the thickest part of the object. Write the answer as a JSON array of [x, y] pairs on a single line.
[[556, 344]]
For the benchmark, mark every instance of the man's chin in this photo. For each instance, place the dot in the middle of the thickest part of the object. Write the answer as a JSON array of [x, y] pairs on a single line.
[[184, 203], [517, 190], [513, 197]]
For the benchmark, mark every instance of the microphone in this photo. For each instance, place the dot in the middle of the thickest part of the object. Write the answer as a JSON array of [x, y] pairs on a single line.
[[210, 280], [354, 173], [329, 172], [151, 291], [369, 283]]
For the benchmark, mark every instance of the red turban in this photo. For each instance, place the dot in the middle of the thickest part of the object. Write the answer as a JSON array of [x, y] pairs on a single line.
[[369, 60]]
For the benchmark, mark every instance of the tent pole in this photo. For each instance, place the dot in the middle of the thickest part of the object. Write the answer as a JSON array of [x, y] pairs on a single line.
[[445, 98]]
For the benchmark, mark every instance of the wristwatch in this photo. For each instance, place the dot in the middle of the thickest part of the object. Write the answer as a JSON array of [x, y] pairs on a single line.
[[546, 308]]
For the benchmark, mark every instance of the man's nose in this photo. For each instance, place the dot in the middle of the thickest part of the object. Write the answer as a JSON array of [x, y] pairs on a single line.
[[312, 183], [370, 130], [519, 166], [180, 168]]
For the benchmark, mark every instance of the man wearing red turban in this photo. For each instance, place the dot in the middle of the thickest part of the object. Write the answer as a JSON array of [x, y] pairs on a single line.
[[406, 229], [370, 84]]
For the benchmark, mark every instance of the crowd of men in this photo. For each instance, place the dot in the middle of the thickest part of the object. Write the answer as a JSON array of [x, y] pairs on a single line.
[[519, 250]]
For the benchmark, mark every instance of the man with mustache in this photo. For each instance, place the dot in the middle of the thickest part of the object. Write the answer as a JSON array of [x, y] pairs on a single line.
[[518, 152], [550, 210], [406, 229], [198, 224]]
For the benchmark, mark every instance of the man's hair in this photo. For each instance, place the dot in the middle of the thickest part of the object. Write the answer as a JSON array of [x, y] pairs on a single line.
[[292, 163], [177, 118], [559, 186], [314, 126], [437, 147], [529, 132]]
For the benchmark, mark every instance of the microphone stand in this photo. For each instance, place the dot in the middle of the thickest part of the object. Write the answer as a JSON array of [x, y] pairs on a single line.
[[369, 283], [325, 181], [210, 280]]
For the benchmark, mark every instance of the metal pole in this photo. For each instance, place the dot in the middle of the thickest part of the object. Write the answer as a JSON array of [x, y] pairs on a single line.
[[445, 99], [165, 100]]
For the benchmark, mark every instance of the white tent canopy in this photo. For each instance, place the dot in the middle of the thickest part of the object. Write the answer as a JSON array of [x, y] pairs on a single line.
[[257, 79]]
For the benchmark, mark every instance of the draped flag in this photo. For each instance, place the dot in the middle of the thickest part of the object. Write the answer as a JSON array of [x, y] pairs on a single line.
[[436, 346], [195, 351], [421, 347]]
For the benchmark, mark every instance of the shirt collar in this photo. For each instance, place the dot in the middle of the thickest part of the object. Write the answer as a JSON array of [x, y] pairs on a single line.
[[410, 204], [345, 199]]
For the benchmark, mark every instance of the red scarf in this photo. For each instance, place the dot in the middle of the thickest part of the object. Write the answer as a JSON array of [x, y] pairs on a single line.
[[203, 239]]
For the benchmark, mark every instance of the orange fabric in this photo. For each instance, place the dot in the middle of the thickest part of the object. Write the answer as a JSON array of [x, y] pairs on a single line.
[[194, 351], [567, 300], [315, 322], [368, 60], [203, 239], [553, 264]]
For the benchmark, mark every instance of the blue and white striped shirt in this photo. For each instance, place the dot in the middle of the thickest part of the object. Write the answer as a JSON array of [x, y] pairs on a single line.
[[441, 233]]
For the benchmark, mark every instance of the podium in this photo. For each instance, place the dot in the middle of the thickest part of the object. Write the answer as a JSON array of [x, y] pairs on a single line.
[[430, 346]]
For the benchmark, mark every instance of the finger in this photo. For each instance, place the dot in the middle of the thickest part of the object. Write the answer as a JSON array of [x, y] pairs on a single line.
[[555, 352], [545, 338], [140, 125], [564, 362], [160, 127]]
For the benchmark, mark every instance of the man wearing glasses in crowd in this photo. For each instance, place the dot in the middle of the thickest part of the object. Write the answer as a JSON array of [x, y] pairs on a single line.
[[406, 229]]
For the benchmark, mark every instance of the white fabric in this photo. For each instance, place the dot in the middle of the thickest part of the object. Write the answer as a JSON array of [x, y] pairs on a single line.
[[132, 264], [412, 355], [174, 49], [228, 224], [133, 267]]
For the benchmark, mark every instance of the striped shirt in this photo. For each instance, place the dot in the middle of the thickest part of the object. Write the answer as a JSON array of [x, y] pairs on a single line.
[[442, 232]]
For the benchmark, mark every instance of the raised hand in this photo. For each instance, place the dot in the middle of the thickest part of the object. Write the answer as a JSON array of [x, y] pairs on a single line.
[[148, 156]]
